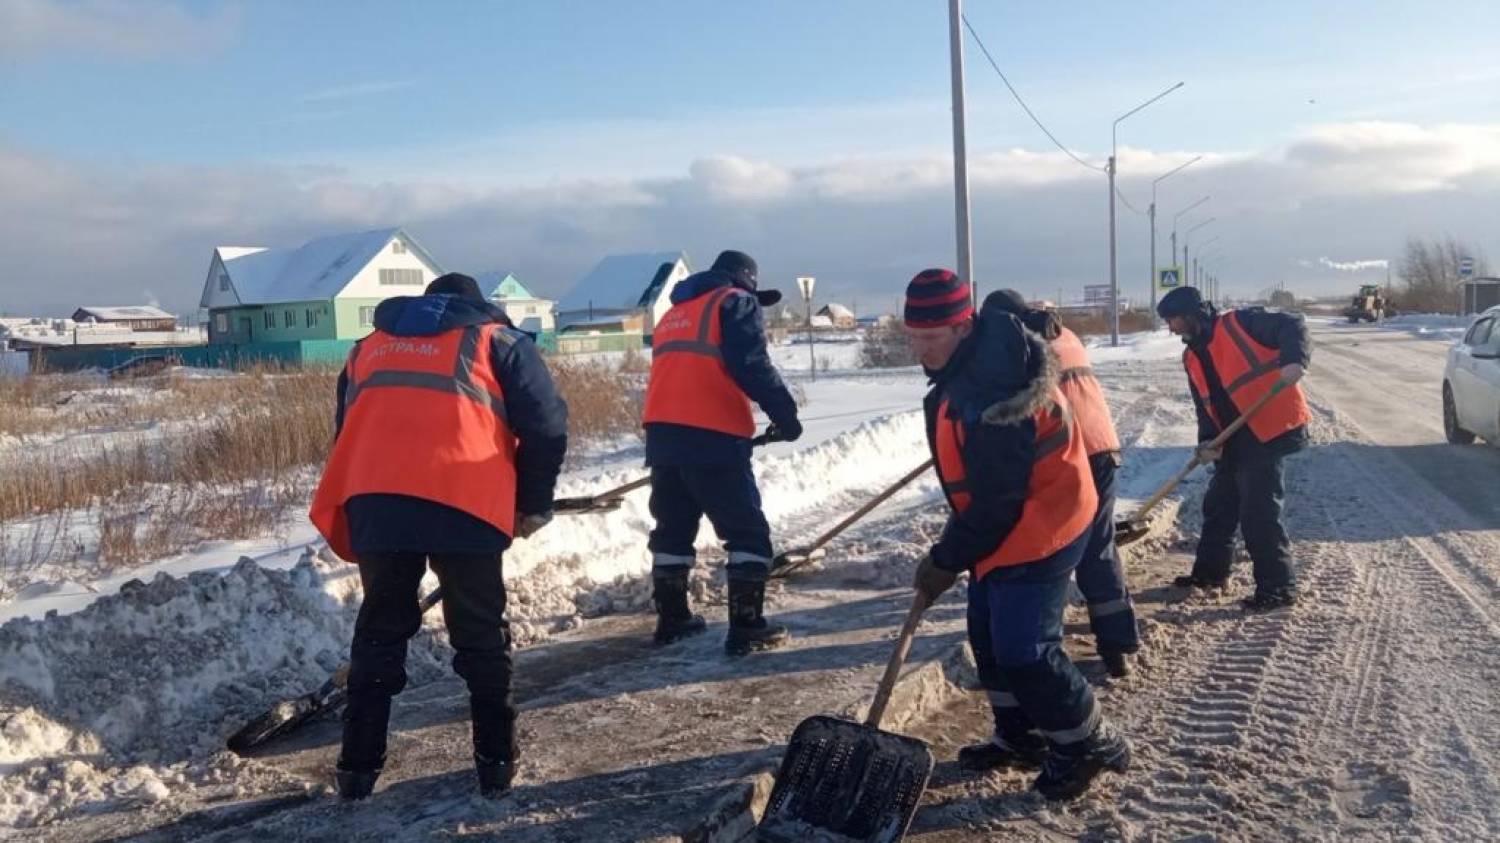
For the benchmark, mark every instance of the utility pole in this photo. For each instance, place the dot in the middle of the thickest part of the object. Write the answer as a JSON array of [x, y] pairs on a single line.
[[805, 285], [1155, 321], [1114, 281], [960, 150]]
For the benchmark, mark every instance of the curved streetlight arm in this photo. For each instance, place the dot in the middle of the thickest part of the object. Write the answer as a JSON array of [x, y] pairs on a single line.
[[1190, 231], [1115, 127], [1179, 214], [1168, 174]]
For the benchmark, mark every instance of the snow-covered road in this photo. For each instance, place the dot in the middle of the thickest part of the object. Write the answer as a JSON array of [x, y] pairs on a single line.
[[1368, 712]]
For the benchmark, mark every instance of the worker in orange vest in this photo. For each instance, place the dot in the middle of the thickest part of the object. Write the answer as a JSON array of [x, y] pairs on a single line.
[[1011, 458], [450, 437], [1100, 574], [1232, 359], [709, 362]]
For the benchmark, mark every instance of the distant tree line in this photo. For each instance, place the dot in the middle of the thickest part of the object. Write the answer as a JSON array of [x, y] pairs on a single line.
[[1429, 269]]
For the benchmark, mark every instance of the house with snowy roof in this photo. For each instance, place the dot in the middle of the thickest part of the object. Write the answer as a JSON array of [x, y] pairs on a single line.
[[139, 317], [530, 312], [325, 289], [838, 316], [622, 295]]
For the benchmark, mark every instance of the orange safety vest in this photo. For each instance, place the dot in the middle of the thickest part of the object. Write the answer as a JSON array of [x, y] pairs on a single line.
[[1060, 497], [1081, 388], [1247, 370], [690, 385], [425, 417]]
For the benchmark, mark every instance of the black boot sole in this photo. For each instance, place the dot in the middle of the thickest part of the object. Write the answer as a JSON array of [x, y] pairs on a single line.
[[760, 645], [1085, 773], [678, 633]]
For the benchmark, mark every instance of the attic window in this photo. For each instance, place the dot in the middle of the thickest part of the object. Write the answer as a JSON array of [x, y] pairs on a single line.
[[398, 277], [223, 282], [398, 247]]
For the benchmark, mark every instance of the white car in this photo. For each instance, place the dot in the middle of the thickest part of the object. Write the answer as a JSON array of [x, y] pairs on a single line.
[[1471, 383]]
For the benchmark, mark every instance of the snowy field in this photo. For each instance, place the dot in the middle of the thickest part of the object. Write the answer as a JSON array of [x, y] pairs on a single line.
[[1367, 713]]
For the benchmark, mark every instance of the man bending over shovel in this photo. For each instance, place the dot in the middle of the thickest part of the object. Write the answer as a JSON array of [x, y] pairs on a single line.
[[1013, 466]]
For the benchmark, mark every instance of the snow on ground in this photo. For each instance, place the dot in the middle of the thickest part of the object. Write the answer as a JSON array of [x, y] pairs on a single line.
[[1434, 326], [1366, 713]]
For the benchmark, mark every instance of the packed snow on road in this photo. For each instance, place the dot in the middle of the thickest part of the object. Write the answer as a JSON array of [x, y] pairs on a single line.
[[1368, 711]]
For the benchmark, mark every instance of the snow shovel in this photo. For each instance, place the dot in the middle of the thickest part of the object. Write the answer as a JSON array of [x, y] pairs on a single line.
[[610, 499], [288, 714], [851, 779], [792, 561], [1136, 527]]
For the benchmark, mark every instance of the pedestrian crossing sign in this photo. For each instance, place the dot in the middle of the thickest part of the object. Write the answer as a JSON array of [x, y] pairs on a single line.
[[1169, 278]]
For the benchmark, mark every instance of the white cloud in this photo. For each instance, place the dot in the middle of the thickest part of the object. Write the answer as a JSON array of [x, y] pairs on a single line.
[[76, 233], [130, 28], [357, 89], [1354, 266]]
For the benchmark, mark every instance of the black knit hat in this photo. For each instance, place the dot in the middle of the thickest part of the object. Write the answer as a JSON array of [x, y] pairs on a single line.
[[1183, 301], [1008, 301], [456, 284], [937, 297], [741, 268]]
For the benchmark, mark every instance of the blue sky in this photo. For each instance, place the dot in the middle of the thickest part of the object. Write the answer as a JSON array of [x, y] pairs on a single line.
[[504, 96]]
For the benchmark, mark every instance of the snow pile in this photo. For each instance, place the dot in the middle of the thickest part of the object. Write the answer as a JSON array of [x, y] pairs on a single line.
[[160, 673], [1436, 326], [1144, 345]]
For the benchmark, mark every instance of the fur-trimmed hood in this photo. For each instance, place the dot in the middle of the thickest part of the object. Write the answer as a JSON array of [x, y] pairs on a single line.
[[1003, 370]]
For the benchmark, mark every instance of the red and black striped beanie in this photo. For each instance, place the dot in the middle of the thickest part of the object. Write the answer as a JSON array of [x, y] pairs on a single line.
[[935, 298]]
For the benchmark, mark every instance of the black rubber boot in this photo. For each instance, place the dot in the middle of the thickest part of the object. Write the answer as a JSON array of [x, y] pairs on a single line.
[[1071, 768], [674, 618], [1118, 664], [749, 631], [1021, 749], [494, 743], [362, 756], [1194, 581], [1268, 600]]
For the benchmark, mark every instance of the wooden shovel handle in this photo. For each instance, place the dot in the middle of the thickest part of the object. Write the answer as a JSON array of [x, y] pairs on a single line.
[[588, 502], [869, 505], [898, 658], [1216, 442]]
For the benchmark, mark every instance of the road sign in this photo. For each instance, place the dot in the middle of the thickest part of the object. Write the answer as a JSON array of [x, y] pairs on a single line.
[[805, 284], [1169, 278], [1466, 268]]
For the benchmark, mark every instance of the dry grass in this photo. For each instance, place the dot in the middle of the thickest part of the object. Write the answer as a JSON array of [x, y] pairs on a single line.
[[1131, 321], [182, 458], [885, 346]]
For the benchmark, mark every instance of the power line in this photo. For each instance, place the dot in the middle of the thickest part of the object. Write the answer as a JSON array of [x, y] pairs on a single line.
[[1122, 198], [1022, 102]]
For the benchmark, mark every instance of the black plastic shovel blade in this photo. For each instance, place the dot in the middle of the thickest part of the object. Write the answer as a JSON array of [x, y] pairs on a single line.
[[792, 561], [1130, 531], [845, 781], [577, 506]]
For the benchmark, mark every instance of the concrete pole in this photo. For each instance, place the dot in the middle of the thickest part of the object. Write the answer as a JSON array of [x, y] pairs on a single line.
[[960, 148], [1114, 282]]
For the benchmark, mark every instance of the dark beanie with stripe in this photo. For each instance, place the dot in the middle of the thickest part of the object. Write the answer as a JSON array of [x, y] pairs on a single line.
[[937, 297]]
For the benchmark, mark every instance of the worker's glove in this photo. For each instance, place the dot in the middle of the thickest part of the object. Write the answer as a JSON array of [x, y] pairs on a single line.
[[931, 581], [789, 430], [527, 525], [1291, 373], [1209, 452]]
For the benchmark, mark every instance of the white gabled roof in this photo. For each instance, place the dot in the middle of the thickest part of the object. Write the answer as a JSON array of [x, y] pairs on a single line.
[[314, 271], [837, 311], [125, 313], [621, 282]]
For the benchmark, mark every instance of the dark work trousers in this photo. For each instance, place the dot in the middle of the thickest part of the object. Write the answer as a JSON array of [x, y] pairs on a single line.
[[1246, 492], [682, 495], [1015, 628], [1100, 575], [474, 612]]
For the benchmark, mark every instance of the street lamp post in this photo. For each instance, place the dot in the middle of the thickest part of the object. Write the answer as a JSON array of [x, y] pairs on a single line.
[[960, 151], [1175, 218], [1186, 236], [1114, 282], [1152, 214]]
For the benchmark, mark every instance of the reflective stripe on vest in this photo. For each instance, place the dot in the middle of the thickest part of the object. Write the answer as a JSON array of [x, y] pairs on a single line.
[[1060, 496], [1078, 384], [690, 385], [1247, 371], [448, 442]]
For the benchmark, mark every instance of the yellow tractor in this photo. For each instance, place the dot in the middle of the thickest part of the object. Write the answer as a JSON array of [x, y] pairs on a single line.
[[1369, 304]]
